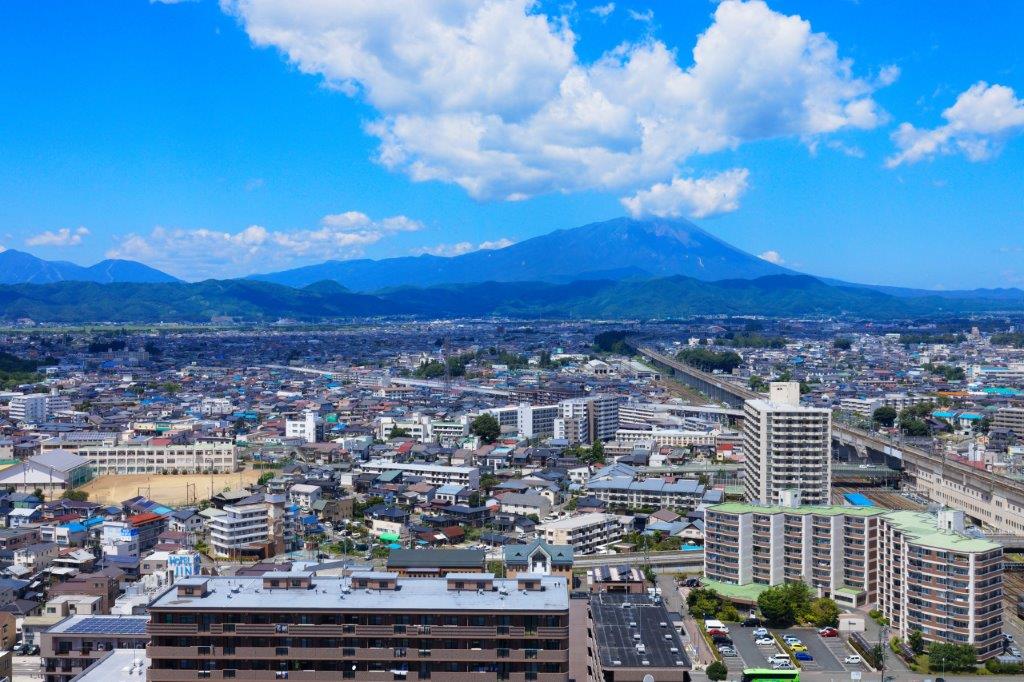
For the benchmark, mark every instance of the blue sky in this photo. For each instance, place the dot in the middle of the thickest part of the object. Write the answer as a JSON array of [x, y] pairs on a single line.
[[866, 140]]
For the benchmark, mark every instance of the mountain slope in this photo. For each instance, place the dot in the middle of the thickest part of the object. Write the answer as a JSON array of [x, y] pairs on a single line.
[[614, 249], [78, 302], [18, 267]]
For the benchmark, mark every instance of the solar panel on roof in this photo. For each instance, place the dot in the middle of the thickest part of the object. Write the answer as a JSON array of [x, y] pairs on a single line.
[[113, 626]]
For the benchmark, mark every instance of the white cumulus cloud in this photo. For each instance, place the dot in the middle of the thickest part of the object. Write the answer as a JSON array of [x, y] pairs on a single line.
[[199, 253], [491, 95], [460, 248], [772, 257], [977, 125], [65, 236], [693, 197], [603, 11]]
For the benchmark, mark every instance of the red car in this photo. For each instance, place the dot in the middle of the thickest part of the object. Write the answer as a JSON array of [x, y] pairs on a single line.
[[828, 632], [717, 633]]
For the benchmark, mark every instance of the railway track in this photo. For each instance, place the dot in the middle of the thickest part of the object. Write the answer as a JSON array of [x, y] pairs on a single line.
[[887, 499]]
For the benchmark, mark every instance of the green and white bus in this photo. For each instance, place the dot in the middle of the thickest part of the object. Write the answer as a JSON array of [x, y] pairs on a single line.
[[769, 675]]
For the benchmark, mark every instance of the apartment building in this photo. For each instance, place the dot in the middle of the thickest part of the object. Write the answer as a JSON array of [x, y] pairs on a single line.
[[831, 548], [155, 455], [366, 626], [259, 527], [1011, 418], [585, 533], [423, 429], [787, 447], [937, 580], [435, 474], [308, 427], [75, 643], [529, 421], [35, 408], [630, 493], [923, 572], [599, 413]]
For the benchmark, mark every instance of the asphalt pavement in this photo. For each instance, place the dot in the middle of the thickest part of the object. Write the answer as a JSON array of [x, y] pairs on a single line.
[[26, 669]]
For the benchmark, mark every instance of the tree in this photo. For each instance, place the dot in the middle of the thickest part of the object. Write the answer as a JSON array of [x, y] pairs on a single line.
[[717, 671], [38, 492], [885, 415], [703, 603], [784, 605], [400, 432], [265, 478], [75, 495], [915, 640], [757, 383], [823, 613], [709, 360], [841, 343], [951, 658], [486, 427]]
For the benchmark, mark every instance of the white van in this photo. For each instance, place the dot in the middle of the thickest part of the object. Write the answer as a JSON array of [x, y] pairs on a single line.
[[715, 625]]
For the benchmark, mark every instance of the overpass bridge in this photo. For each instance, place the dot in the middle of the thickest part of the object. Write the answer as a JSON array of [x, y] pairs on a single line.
[[992, 499]]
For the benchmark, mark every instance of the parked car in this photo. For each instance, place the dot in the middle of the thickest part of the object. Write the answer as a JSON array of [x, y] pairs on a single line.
[[790, 638], [804, 656], [727, 651], [782, 665], [853, 659], [828, 632], [798, 647], [751, 622], [761, 632], [764, 641], [717, 633], [722, 640]]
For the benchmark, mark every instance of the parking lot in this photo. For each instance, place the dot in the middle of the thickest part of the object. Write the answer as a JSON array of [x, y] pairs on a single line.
[[828, 652]]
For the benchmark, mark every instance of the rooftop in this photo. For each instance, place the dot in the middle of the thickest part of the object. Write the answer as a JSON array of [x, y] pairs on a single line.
[[616, 626], [337, 594], [102, 625]]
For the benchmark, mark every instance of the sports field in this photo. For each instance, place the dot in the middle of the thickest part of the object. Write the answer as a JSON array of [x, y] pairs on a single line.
[[170, 490]]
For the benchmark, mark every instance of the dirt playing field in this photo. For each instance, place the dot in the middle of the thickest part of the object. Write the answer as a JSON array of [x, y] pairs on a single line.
[[170, 490]]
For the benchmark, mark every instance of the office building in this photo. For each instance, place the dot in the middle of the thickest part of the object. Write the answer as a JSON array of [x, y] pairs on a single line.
[[786, 447], [367, 626]]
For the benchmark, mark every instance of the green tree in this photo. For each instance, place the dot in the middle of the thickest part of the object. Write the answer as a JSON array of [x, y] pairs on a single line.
[[951, 658], [841, 343], [709, 360], [265, 478], [400, 432], [486, 427], [823, 612], [717, 671], [76, 495], [885, 415], [784, 605], [703, 603], [915, 640], [757, 383]]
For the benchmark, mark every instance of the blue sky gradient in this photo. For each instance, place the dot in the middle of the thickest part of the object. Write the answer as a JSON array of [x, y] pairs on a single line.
[[122, 116]]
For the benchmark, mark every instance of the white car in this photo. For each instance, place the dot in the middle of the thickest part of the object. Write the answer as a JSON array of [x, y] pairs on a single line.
[[761, 632], [782, 665], [764, 641], [853, 659]]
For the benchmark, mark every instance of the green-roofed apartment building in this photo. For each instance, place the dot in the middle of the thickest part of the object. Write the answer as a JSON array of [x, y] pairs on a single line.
[[923, 572]]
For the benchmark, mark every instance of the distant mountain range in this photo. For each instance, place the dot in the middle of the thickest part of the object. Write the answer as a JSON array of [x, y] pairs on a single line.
[[18, 267], [615, 249], [622, 268], [669, 297]]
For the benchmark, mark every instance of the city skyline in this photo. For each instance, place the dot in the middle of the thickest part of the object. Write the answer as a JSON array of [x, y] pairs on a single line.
[[241, 130]]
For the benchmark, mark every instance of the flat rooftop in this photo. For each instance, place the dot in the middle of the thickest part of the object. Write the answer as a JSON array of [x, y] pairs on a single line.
[[338, 594], [102, 625], [119, 665], [618, 618]]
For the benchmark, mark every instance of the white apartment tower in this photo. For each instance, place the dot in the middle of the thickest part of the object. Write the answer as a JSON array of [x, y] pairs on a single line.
[[787, 447]]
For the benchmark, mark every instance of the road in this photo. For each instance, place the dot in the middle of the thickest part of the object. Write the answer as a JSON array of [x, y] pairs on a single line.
[[26, 668]]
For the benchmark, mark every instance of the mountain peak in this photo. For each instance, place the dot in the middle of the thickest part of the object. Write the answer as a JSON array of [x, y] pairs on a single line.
[[19, 267], [620, 248]]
